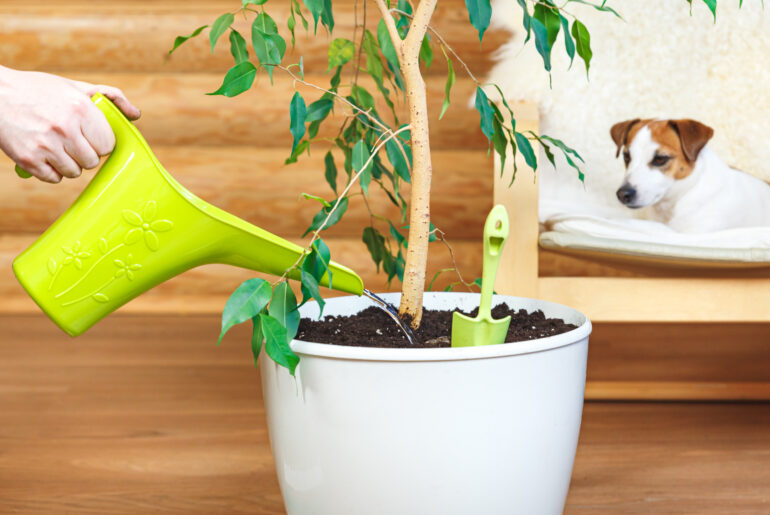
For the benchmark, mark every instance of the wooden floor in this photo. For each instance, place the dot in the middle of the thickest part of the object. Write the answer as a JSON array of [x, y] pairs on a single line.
[[146, 415]]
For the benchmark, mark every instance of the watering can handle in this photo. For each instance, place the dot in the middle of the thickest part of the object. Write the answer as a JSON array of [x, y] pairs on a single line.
[[96, 99]]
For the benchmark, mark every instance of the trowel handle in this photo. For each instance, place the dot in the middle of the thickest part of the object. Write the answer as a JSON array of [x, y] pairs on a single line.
[[495, 234], [103, 103]]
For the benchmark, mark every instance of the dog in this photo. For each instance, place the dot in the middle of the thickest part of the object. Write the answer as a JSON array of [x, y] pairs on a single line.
[[670, 167]]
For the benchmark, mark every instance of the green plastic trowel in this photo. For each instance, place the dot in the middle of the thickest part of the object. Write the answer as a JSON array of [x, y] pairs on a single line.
[[484, 330]]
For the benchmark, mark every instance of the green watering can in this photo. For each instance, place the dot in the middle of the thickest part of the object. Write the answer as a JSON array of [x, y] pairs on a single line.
[[134, 227]]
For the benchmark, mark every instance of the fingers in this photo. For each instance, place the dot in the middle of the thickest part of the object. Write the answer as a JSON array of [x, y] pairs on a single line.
[[95, 139], [83, 152], [66, 164], [42, 171], [119, 98]]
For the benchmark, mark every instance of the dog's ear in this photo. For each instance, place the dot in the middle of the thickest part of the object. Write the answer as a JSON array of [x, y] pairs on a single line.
[[693, 136], [619, 133]]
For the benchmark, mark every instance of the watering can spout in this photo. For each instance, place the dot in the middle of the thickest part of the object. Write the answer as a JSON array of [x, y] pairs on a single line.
[[133, 227]]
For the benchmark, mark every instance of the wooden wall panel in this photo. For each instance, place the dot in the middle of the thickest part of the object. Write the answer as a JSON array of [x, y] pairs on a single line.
[[129, 36], [254, 184], [177, 111]]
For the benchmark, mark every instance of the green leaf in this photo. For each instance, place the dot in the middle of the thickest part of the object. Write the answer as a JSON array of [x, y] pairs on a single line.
[[569, 43], [283, 307], [238, 79], [265, 24], [244, 3], [397, 159], [400, 238], [450, 80], [316, 8], [567, 151], [526, 149], [181, 39], [319, 217], [375, 242], [219, 27], [327, 17], [582, 42], [323, 201], [360, 156], [426, 52], [303, 146], [276, 345], [298, 10], [541, 41], [257, 337], [500, 142], [246, 302], [297, 113], [341, 51], [526, 19], [386, 45], [238, 47], [319, 109], [363, 98], [269, 46], [712, 5], [310, 290], [550, 18], [291, 23], [316, 263], [486, 112], [330, 171], [480, 12]]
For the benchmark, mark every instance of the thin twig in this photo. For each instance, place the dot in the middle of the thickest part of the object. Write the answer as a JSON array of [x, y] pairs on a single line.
[[317, 232], [442, 236], [338, 97]]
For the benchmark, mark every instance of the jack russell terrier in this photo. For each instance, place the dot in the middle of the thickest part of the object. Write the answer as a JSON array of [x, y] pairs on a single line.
[[690, 188]]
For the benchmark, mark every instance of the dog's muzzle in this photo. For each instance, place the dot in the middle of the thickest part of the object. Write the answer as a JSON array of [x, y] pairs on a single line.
[[627, 195]]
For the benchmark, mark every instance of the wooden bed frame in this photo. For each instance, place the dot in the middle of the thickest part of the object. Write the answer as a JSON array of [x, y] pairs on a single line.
[[714, 298]]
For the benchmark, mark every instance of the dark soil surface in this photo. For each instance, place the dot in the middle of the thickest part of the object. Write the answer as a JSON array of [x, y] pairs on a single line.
[[374, 328]]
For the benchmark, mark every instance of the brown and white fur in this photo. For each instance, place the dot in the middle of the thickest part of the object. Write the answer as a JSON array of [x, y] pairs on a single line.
[[670, 167]]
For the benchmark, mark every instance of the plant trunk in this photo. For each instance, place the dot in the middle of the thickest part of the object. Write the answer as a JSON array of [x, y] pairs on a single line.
[[413, 285], [408, 49]]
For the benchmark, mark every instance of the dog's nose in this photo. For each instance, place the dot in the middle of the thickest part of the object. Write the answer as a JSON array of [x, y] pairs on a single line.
[[626, 194]]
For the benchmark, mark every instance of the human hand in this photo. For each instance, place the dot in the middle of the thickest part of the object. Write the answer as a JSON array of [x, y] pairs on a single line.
[[50, 127]]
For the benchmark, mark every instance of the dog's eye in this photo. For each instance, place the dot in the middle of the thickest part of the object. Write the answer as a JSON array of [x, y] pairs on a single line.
[[660, 160], [627, 157]]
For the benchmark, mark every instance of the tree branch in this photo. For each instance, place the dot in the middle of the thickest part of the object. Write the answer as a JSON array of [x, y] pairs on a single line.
[[418, 28], [390, 24]]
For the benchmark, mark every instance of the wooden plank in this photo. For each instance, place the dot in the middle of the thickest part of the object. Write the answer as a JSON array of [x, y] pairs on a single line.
[[176, 110], [679, 353], [519, 262], [672, 458], [676, 391], [254, 183], [205, 289], [662, 300], [148, 415], [127, 36]]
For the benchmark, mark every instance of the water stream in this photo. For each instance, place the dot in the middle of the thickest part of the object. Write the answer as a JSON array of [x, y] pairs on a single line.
[[391, 310]]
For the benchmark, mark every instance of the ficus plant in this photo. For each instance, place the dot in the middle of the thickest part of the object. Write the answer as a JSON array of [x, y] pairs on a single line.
[[376, 147]]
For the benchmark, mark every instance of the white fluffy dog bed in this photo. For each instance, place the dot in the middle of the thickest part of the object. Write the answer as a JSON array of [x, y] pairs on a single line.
[[659, 62]]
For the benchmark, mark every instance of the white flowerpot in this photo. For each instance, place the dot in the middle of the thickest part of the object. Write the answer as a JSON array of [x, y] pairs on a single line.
[[472, 431]]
